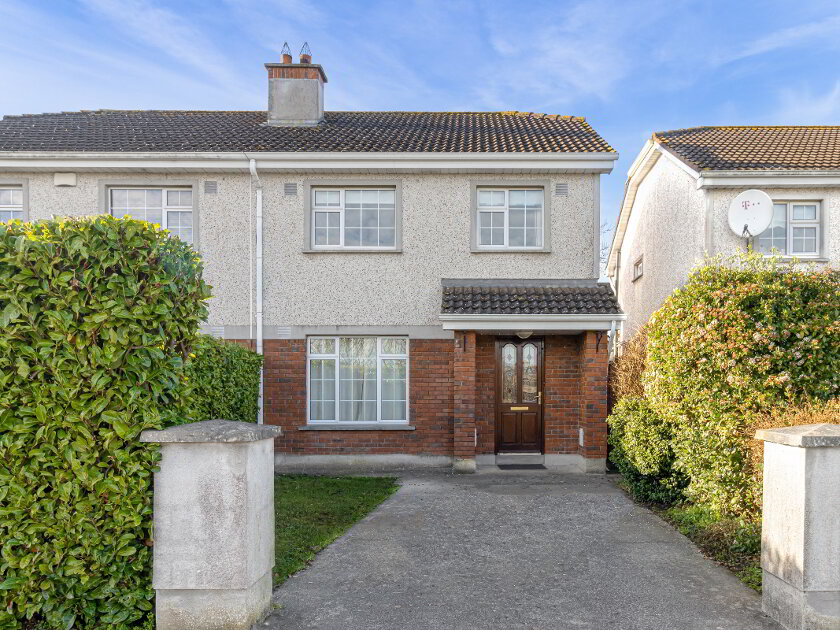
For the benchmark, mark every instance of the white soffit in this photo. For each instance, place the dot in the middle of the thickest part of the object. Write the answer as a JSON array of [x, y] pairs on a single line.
[[530, 322]]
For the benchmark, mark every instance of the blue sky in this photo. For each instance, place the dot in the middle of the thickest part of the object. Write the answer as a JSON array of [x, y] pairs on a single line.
[[630, 67]]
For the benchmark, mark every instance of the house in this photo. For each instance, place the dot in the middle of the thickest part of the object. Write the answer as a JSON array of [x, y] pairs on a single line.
[[423, 285], [678, 193]]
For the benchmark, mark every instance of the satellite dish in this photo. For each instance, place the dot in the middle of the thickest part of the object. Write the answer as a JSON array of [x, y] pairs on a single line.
[[750, 213]]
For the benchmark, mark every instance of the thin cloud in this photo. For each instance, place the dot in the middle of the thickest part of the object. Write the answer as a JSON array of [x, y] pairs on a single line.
[[803, 107], [787, 38], [169, 33]]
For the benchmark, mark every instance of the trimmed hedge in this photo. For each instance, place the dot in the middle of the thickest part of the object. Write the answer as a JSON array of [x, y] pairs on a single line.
[[223, 380], [98, 315]]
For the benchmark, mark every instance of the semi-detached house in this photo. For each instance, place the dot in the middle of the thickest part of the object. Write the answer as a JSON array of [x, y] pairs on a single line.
[[424, 286]]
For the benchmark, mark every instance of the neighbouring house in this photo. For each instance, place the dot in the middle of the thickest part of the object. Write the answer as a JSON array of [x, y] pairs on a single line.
[[678, 193], [423, 285]]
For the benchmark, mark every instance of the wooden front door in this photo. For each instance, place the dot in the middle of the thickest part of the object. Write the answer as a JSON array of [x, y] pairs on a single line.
[[519, 369]]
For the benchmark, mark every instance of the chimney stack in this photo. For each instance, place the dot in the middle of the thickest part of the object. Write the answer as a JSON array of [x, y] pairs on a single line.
[[295, 90]]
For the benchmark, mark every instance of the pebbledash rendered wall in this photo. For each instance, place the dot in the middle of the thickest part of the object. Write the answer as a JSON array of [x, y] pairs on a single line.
[[304, 291], [666, 228], [673, 225]]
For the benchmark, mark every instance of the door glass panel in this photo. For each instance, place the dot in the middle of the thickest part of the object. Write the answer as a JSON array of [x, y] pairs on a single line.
[[529, 373], [509, 373]]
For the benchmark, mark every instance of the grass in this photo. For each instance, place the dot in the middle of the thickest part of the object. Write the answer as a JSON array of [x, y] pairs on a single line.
[[732, 543], [311, 512]]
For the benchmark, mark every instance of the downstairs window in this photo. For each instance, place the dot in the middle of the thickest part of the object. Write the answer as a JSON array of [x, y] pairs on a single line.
[[357, 379]]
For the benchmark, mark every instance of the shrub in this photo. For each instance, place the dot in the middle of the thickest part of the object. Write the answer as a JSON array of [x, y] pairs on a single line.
[[812, 412], [223, 381], [640, 444], [627, 369], [740, 338], [96, 318]]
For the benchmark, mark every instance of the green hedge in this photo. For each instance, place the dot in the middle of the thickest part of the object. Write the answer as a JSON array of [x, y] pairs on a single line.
[[742, 337], [640, 447], [98, 316], [224, 381]]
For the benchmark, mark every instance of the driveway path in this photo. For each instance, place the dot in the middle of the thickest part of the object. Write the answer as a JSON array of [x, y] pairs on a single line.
[[531, 549]]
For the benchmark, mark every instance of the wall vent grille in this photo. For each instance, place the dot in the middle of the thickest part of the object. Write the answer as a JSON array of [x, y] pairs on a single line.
[[211, 187], [561, 189], [290, 190]]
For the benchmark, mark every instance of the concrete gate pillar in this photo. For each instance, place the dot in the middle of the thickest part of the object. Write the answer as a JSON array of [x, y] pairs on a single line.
[[464, 394], [800, 538], [213, 525]]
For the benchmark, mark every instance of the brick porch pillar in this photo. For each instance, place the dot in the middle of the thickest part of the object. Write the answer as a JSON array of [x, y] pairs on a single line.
[[464, 395], [594, 362]]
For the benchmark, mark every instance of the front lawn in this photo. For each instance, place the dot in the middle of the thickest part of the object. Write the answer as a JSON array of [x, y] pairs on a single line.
[[311, 512]]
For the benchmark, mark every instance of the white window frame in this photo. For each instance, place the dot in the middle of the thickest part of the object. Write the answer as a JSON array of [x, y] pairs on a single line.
[[380, 356], [21, 207], [165, 207], [791, 223], [477, 186], [639, 268], [313, 208]]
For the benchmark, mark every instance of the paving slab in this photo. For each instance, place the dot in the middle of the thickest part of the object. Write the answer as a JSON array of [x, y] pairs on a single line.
[[530, 550]]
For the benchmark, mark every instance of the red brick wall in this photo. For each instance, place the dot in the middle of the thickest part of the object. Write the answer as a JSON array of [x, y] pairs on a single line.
[[430, 404], [561, 392], [575, 394], [464, 394], [594, 366], [485, 404]]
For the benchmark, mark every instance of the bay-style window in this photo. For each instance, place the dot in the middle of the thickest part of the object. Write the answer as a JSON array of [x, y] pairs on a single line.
[[794, 231], [354, 218], [357, 379], [510, 218], [11, 203], [171, 208]]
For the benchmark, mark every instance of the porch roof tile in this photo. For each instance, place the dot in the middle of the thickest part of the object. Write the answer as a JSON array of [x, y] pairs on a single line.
[[527, 297]]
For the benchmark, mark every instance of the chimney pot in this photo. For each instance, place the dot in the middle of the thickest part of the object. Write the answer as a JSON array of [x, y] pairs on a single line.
[[287, 53], [305, 53]]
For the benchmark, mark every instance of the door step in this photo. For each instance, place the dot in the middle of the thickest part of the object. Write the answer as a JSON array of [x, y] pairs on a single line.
[[519, 459]]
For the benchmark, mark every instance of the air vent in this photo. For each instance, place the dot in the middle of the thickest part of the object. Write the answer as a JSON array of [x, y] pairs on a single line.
[[561, 189], [290, 190], [211, 187]]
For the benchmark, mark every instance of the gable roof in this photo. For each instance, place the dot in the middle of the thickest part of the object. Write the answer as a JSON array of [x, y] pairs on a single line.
[[223, 131], [787, 148], [527, 297]]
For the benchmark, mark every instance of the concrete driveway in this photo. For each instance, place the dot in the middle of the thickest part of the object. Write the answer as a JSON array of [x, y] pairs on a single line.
[[524, 549]]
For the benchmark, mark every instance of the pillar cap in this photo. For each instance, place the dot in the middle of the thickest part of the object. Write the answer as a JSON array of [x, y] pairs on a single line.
[[805, 436], [218, 431]]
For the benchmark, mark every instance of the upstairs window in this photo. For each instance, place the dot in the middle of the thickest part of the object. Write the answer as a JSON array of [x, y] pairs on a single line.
[[354, 218], [11, 204], [794, 231], [510, 218], [170, 208], [638, 268]]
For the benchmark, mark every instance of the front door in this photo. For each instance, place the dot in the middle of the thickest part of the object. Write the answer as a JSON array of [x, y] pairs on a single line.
[[519, 426]]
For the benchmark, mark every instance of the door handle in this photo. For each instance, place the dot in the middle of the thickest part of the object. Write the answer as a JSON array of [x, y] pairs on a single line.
[[539, 398]]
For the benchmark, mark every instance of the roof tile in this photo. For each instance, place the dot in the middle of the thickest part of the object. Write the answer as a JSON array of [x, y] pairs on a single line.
[[222, 131], [527, 297]]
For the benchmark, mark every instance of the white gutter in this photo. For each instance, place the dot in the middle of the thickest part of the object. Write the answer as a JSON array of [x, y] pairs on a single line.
[[252, 166], [530, 322], [583, 162]]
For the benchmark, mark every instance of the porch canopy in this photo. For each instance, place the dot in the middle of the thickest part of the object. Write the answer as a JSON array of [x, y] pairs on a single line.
[[495, 305]]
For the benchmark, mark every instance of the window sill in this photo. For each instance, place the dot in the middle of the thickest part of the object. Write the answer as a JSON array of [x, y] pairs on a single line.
[[356, 426], [509, 250], [352, 251], [800, 259]]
